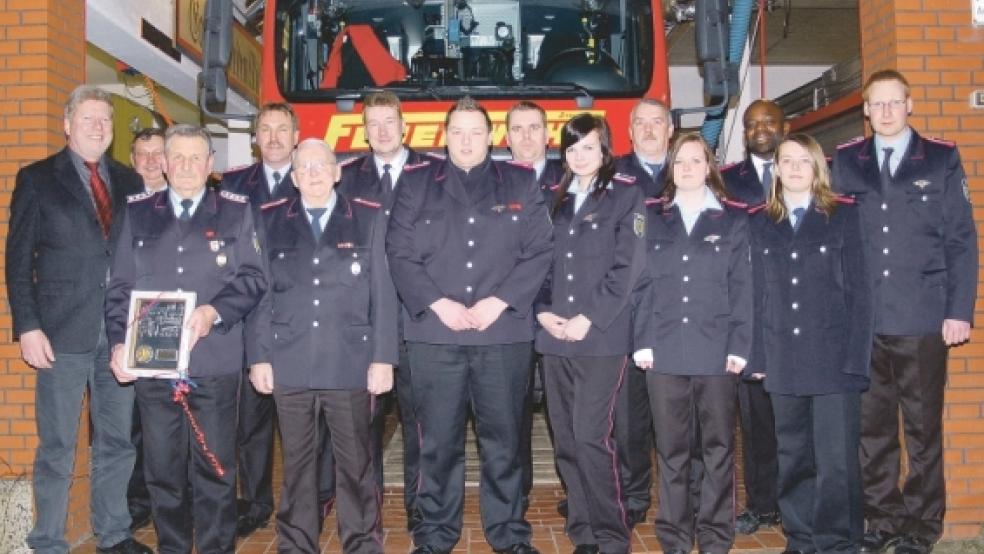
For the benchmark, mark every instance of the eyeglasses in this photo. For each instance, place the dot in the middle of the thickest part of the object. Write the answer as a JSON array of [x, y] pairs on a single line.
[[891, 105], [311, 167]]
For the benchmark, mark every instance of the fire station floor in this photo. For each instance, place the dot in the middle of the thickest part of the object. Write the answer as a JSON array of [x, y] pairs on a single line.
[[548, 525]]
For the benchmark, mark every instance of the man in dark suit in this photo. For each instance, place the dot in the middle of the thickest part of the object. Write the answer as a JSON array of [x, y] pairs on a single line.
[[65, 218], [650, 128], [276, 133], [194, 239], [922, 244], [375, 177], [526, 135], [469, 244], [749, 181]]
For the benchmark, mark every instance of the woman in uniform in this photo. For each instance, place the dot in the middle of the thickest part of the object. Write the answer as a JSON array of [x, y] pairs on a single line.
[[693, 336], [585, 336], [813, 338]]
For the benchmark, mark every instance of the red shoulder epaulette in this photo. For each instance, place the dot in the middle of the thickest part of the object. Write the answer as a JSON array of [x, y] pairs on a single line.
[[554, 186], [851, 142], [273, 204], [942, 142], [728, 166], [236, 168], [623, 178], [241, 198], [436, 156], [840, 198], [654, 201], [518, 163], [367, 203], [349, 161], [734, 203], [411, 167], [756, 208]]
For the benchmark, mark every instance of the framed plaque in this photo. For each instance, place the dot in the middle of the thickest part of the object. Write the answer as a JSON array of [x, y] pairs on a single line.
[[156, 338]]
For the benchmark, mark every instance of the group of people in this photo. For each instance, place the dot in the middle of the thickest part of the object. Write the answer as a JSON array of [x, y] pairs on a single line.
[[665, 295]]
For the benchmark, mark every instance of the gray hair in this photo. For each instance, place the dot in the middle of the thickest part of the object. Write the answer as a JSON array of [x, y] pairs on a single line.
[[313, 142], [187, 130], [83, 93], [649, 102]]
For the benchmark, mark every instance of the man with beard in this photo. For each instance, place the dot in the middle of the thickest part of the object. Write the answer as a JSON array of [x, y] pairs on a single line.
[[750, 181], [276, 132]]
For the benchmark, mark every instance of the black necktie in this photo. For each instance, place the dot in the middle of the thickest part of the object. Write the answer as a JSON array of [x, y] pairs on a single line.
[[186, 205], [767, 177], [316, 214], [387, 180], [276, 183], [886, 167], [798, 214]]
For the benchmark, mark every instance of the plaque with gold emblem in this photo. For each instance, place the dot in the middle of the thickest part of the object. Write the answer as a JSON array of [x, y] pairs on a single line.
[[156, 336]]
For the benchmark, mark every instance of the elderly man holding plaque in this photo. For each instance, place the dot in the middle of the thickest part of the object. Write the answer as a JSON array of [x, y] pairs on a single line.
[[189, 239]]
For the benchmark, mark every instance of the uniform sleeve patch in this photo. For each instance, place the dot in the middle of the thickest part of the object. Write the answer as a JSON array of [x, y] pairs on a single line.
[[241, 198], [138, 197], [367, 203], [639, 224], [851, 142], [273, 204], [623, 178]]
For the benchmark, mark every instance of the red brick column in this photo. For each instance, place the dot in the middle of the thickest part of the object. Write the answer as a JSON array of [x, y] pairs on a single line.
[[933, 43], [42, 58]]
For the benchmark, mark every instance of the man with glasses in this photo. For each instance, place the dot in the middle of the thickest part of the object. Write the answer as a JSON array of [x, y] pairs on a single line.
[[917, 216]]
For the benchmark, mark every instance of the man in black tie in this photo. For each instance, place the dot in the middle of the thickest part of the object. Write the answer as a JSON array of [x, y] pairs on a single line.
[[650, 128], [922, 244], [65, 218], [276, 132], [749, 181]]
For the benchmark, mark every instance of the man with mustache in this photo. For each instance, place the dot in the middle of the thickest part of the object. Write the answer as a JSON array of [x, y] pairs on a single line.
[[750, 181], [276, 134]]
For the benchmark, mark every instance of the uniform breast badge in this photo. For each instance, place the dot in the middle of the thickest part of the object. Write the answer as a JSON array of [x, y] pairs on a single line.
[[639, 225], [356, 268], [221, 260]]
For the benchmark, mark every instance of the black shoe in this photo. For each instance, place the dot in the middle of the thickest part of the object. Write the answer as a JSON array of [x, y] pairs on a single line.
[[748, 522], [875, 542], [914, 544], [676, 552], [519, 548], [245, 525], [126, 546], [139, 520], [562, 508], [586, 549], [635, 517], [427, 550]]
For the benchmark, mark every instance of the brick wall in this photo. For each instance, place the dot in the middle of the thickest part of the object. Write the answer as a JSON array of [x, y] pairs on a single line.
[[933, 43], [42, 58]]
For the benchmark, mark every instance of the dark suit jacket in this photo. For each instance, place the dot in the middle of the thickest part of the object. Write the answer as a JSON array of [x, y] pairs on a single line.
[[57, 257], [698, 307], [920, 232], [251, 181], [813, 336], [652, 186], [446, 241], [599, 255], [741, 181], [216, 255], [331, 308]]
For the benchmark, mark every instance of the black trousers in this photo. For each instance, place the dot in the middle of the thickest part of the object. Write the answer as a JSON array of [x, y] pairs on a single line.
[[192, 505], [302, 413], [403, 382], [673, 399], [758, 432], [255, 444], [908, 373], [582, 394], [634, 437], [492, 381], [819, 472], [137, 495]]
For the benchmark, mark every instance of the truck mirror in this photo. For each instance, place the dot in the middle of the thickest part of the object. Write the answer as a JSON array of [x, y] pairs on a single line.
[[217, 36]]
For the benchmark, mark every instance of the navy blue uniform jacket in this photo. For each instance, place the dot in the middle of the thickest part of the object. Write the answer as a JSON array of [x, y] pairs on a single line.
[[742, 182], [698, 307], [920, 233], [599, 256], [813, 309], [57, 256], [331, 308], [251, 181], [217, 256], [652, 186], [360, 179], [446, 242]]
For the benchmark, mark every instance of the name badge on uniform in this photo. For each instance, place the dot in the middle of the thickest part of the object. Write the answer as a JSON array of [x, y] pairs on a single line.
[[712, 238], [221, 260], [921, 184], [356, 268]]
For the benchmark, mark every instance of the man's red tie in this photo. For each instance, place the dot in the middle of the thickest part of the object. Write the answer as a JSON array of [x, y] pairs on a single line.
[[104, 206]]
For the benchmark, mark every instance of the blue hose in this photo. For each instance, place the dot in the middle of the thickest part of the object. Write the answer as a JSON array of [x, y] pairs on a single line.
[[741, 16]]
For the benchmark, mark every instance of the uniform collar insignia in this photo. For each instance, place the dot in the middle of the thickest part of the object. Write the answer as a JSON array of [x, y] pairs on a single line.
[[712, 238], [346, 245], [921, 184]]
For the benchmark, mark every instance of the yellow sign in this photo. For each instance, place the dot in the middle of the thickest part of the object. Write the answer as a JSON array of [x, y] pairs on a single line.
[[247, 56], [345, 132]]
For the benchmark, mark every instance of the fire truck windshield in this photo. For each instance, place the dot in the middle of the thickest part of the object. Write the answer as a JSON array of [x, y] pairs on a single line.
[[443, 49]]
